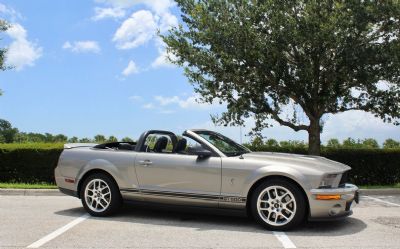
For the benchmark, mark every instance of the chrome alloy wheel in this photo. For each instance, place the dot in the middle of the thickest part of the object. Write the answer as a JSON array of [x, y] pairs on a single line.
[[97, 195], [276, 205]]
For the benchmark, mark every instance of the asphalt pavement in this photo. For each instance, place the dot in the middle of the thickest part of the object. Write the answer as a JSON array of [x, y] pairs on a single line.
[[61, 222]]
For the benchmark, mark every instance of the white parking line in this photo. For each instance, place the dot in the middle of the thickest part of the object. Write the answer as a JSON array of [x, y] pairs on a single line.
[[58, 232], [379, 200], [284, 239]]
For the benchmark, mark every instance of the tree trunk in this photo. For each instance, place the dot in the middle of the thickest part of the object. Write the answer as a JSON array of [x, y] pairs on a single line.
[[314, 138]]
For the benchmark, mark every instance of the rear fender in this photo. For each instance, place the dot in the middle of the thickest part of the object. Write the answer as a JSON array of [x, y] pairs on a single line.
[[101, 164]]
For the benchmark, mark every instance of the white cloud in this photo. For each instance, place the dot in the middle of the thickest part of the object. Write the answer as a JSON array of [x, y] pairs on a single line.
[[185, 103], [10, 12], [136, 30], [354, 124], [358, 125], [170, 105], [142, 25], [167, 21], [119, 3], [148, 106], [104, 13], [136, 98], [17, 32], [130, 69], [21, 52], [163, 60], [166, 111], [159, 6], [82, 46], [167, 100]]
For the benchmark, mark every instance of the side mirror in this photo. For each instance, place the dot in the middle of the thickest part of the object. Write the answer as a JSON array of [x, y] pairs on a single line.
[[199, 151]]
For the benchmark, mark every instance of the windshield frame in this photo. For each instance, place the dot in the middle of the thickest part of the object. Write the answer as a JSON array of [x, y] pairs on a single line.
[[239, 149]]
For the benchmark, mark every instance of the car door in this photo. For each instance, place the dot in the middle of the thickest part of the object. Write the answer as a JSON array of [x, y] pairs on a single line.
[[179, 178]]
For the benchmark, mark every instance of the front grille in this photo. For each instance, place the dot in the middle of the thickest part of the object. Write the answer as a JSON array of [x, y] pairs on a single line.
[[345, 178]]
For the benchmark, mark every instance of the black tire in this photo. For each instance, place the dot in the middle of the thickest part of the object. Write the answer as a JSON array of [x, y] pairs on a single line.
[[114, 199], [300, 208]]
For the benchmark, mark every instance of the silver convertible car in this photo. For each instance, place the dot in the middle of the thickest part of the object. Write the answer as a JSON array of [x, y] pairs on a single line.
[[203, 168]]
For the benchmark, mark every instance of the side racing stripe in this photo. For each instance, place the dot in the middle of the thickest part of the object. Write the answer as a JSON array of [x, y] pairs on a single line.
[[236, 199]]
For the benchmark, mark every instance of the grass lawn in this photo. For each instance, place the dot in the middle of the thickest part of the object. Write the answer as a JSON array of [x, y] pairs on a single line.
[[27, 185]]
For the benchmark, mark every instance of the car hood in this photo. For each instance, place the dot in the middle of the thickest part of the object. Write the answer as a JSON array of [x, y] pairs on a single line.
[[315, 162]]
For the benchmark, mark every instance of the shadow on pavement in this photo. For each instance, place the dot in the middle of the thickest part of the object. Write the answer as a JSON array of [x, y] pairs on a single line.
[[216, 220], [346, 226]]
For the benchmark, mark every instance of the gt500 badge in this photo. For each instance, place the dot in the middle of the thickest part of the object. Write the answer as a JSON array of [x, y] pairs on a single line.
[[233, 199]]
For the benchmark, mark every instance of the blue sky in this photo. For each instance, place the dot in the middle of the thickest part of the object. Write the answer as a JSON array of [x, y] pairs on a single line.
[[89, 67]]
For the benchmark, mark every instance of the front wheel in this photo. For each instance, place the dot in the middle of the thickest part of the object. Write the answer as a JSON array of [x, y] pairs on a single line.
[[100, 195], [278, 204]]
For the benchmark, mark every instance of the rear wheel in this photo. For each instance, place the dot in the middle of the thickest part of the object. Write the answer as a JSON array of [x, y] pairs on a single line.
[[100, 195], [278, 205]]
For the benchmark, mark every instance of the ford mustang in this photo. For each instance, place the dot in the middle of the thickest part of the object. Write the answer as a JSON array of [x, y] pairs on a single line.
[[203, 168]]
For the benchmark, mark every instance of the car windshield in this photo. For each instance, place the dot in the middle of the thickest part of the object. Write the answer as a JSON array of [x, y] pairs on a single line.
[[224, 144]]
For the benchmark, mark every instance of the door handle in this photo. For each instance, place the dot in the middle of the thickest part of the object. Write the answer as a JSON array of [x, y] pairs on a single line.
[[145, 162]]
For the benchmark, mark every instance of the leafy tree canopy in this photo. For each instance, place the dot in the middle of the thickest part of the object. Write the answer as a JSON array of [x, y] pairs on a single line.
[[333, 143], [391, 144], [7, 132], [112, 139], [3, 27], [291, 61], [370, 143], [127, 139], [99, 139], [73, 140], [84, 140]]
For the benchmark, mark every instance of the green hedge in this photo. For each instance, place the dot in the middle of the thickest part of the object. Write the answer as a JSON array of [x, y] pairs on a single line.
[[28, 163], [32, 163], [369, 166]]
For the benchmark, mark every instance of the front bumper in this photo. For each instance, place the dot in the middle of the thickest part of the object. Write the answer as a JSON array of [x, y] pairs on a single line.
[[341, 205]]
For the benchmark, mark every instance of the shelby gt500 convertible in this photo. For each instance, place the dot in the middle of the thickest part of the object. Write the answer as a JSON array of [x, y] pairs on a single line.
[[203, 168]]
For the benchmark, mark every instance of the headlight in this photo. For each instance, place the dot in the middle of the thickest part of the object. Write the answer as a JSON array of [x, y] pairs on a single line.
[[329, 181]]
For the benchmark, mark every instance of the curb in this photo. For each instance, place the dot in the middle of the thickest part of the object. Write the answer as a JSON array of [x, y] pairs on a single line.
[[383, 191], [31, 192], [56, 192]]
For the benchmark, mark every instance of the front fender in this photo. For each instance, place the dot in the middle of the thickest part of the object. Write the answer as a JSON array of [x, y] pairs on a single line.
[[276, 170]]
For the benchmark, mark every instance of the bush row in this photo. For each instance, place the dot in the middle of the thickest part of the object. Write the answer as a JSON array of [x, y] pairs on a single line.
[[28, 163], [369, 166], [33, 163]]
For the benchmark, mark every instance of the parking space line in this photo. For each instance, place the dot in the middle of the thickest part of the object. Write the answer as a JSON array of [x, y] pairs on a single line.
[[284, 239], [379, 200], [58, 232]]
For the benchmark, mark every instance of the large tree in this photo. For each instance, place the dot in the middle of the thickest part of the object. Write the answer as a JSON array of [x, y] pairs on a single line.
[[291, 61]]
